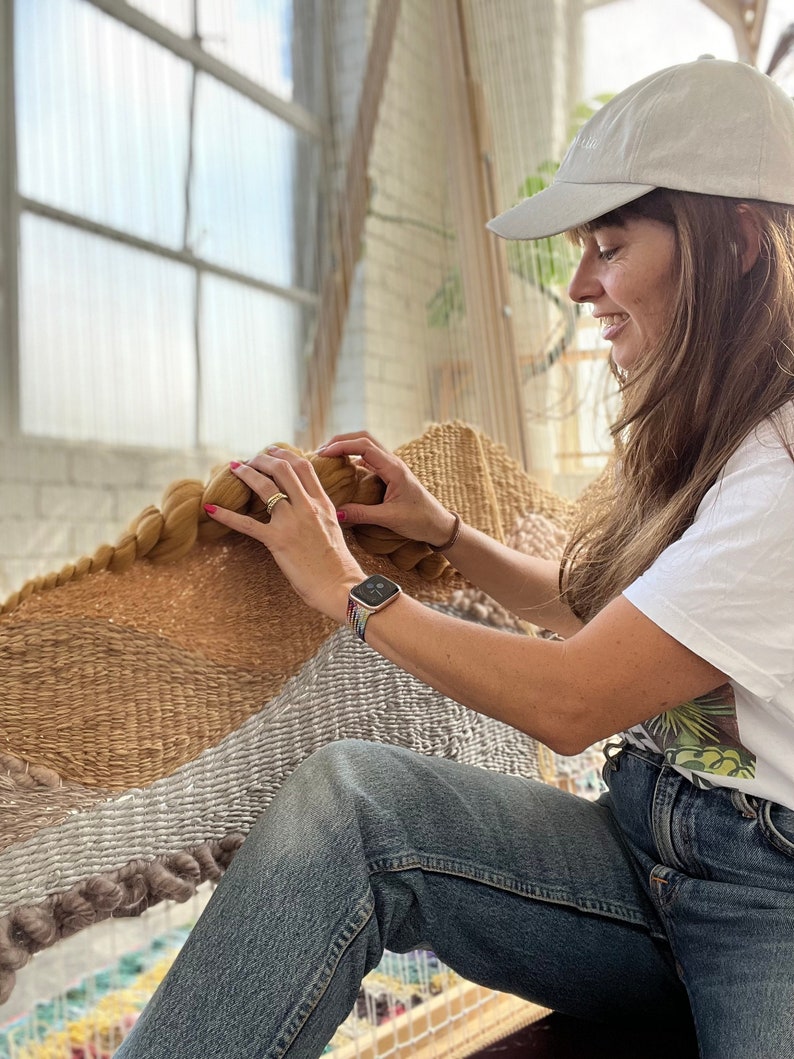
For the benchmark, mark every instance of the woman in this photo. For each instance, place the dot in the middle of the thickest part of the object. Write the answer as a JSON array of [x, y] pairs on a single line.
[[674, 893]]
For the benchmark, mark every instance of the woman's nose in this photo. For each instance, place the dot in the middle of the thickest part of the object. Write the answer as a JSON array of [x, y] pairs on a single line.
[[584, 285]]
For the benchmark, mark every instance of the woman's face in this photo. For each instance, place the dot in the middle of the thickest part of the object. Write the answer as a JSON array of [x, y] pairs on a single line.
[[626, 273]]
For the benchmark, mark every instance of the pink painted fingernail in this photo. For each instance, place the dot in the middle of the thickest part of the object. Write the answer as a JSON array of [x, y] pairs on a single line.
[[341, 516], [234, 464], [210, 509]]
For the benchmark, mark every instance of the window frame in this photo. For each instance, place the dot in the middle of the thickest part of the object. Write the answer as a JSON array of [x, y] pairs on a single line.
[[14, 205]]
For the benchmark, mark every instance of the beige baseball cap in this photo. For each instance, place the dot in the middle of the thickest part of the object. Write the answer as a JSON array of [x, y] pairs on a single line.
[[710, 126]]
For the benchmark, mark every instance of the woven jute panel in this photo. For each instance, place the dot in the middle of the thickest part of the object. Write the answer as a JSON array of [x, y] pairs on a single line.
[[151, 709], [345, 691], [114, 680]]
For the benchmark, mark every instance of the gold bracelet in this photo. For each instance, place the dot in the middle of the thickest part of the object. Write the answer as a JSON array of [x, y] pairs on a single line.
[[453, 537]]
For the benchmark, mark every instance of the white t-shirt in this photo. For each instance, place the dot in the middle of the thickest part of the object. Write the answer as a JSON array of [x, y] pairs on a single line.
[[725, 589]]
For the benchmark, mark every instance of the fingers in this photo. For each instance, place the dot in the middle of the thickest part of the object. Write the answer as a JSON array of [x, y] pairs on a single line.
[[241, 523], [374, 456], [362, 515], [275, 473], [358, 436], [279, 470]]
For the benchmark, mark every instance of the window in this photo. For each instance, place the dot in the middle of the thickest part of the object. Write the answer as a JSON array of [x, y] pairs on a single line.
[[164, 296]]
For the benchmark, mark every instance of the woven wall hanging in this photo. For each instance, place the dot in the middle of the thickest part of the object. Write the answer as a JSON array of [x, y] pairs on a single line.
[[143, 732]]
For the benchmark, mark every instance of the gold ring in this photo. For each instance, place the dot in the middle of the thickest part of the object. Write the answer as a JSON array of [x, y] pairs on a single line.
[[273, 501]]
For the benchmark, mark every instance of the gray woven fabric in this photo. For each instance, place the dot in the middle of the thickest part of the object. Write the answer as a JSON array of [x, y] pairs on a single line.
[[345, 691]]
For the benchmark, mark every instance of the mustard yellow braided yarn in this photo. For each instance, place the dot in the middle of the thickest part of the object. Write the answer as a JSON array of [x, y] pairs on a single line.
[[166, 534]]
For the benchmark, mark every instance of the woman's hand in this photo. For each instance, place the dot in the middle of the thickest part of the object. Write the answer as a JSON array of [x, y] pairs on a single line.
[[303, 534], [407, 508]]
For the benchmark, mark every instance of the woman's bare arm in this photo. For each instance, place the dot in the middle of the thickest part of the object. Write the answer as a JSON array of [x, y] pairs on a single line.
[[616, 671], [524, 585]]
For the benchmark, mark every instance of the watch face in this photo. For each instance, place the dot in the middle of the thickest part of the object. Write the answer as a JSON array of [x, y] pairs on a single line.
[[375, 591]]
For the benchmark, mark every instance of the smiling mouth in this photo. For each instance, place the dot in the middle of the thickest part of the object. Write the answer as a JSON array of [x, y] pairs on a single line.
[[612, 324]]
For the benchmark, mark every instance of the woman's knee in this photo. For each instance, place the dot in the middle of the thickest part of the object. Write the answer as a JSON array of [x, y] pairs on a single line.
[[314, 814], [342, 764], [351, 784], [338, 777]]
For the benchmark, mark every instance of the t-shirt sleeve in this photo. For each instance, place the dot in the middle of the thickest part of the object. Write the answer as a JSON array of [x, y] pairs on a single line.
[[725, 588]]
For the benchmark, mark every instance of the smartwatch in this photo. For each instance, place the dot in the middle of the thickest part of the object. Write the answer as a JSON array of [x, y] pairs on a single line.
[[368, 598]]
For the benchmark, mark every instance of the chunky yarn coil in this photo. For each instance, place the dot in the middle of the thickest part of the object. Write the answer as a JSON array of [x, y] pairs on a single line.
[[126, 892], [166, 534]]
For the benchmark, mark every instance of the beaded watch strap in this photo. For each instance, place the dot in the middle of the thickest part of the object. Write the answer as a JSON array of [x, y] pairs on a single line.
[[357, 618]]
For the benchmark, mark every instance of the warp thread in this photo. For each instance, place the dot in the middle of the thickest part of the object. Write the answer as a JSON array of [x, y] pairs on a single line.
[[128, 891]]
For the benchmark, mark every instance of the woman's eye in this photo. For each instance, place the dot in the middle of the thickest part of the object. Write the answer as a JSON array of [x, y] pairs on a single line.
[[606, 255]]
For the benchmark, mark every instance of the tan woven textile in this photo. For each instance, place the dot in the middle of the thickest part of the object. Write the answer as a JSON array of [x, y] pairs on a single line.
[[116, 679], [150, 714]]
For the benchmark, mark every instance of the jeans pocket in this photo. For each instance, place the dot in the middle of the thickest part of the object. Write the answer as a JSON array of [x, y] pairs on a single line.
[[777, 826]]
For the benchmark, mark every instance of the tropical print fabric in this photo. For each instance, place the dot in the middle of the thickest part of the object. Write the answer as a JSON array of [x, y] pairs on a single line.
[[700, 738]]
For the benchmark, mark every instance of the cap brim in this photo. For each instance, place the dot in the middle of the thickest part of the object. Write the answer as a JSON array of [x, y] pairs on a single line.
[[563, 206]]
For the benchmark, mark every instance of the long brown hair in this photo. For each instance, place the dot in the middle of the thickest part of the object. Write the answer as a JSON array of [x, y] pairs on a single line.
[[724, 363]]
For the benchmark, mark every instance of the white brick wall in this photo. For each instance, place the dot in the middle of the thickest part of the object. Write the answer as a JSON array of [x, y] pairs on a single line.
[[59, 502]]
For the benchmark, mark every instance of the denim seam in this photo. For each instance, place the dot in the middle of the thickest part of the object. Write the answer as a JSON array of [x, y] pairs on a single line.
[[665, 793], [682, 970], [487, 877], [358, 920], [686, 835]]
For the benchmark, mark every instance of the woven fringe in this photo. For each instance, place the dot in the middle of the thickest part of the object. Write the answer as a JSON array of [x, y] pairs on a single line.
[[126, 892]]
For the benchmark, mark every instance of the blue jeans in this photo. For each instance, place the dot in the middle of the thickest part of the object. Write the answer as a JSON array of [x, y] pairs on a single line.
[[658, 900]]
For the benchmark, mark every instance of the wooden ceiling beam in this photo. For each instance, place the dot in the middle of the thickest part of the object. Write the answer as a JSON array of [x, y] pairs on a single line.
[[746, 19]]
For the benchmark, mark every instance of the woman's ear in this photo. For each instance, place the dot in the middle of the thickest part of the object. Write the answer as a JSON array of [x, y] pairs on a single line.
[[749, 235]]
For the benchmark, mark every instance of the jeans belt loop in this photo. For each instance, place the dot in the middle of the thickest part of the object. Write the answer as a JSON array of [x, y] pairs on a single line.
[[612, 754], [745, 804]]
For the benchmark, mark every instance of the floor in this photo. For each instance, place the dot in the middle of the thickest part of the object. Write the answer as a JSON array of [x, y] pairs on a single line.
[[559, 1037]]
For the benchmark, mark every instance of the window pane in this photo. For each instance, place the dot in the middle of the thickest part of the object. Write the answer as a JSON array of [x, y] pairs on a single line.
[[253, 36], [106, 340], [249, 359], [242, 188], [102, 119], [175, 14]]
